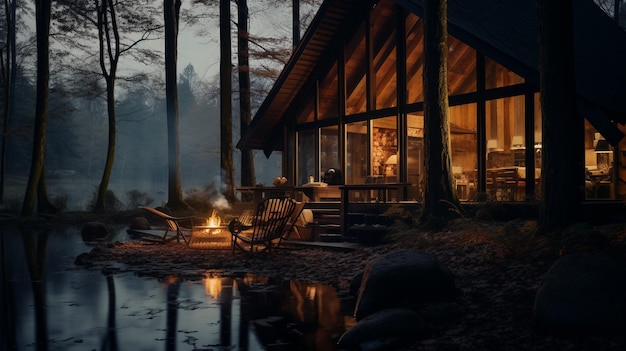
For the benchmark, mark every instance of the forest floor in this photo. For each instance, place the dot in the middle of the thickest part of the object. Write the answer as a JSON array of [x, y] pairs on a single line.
[[498, 267]]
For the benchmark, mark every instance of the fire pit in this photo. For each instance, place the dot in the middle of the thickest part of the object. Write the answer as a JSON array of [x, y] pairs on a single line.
[[211, 235]]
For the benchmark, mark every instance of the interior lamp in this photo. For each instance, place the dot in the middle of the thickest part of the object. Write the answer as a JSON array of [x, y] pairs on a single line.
[[492, 144], [602, 147], [602, 150], [390, 165], [517, 143]]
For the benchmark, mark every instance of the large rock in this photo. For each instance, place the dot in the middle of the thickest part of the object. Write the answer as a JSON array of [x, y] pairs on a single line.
[[583, 294], [94, 231], [405, 278], [581, 237], [140, 223], [384, 330]]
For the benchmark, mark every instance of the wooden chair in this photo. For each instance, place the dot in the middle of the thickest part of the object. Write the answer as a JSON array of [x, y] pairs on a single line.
[[172, 224], [290, 227], [268, 224]]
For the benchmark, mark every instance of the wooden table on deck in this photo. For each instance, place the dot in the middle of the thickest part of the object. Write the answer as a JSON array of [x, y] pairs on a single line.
[[317, 193], [259, 193]]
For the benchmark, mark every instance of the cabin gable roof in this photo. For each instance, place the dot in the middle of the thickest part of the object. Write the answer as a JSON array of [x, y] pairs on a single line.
[[504, 30]]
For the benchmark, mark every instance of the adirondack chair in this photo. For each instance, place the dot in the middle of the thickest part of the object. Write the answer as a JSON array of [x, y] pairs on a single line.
[[172, 224], [291, 227], [268, 224]]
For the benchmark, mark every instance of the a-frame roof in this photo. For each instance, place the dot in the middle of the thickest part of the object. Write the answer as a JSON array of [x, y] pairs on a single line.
[[505, 30], [317, 40]]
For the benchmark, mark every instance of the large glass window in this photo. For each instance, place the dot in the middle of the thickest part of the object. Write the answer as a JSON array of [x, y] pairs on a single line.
[[599, 165], [356, 153], [498, 76], [308, 111], [385, 149], [506, 149], [384, 55], [538, 127], [464, 153], [329, 147], [329, 95], [414, 58], [356, 68], [415, 155], [461, 67], [306, 156]]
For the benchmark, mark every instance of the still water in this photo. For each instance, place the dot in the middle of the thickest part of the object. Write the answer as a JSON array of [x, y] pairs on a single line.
[[49, 303]]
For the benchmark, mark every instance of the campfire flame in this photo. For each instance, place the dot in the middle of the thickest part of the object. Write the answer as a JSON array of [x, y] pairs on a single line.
[[214, 220]]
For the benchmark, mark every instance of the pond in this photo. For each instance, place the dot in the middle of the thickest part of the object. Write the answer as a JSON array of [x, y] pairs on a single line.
[[49, 303]]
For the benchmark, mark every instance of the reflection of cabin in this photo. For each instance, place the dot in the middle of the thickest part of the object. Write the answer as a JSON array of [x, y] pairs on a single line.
[[351, 97]]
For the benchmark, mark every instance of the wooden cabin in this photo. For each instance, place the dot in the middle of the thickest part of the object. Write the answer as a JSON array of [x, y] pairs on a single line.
[[351, 99]]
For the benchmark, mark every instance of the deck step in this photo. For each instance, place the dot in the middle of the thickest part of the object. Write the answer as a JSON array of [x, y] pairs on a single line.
[[330, 238]]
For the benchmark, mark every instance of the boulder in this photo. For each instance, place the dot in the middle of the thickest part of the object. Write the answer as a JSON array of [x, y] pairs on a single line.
[[94, 231], [583, 294], [404, 278], [581, 237], [140, 223], [384, 330]]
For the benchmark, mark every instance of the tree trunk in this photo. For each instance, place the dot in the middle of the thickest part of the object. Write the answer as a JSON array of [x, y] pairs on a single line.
[[247, 157], [6, 61], [43, 201], [226, 129], [296, 23], [563, 164], [42, 24], [171, 13], [439, 194], [108, 165], [113, 51]]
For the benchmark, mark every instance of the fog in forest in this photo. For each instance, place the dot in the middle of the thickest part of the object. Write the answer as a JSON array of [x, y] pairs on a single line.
[[77, 130], [77, 137]]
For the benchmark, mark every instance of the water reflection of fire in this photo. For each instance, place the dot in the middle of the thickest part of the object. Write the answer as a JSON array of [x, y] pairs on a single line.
[[213, 287]]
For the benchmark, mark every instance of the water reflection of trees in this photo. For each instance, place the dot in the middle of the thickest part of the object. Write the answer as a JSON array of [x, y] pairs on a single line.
[[109, 341], [252, 310], [34, 252], [35, 244], [7, 320]]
